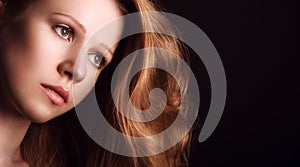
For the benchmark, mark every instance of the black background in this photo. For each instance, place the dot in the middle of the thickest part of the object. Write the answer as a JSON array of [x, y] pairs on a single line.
[[258, 42]]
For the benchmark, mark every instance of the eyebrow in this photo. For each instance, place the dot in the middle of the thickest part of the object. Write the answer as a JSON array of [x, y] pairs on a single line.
[[73, 19]]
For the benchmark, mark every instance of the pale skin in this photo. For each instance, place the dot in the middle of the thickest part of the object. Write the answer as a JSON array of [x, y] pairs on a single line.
[[45, 57]]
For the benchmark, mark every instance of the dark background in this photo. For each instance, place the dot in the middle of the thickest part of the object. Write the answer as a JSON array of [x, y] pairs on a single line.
[[258, 42]]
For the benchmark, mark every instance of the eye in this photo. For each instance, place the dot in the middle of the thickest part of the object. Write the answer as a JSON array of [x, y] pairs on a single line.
[[97, 59], [64, 31]]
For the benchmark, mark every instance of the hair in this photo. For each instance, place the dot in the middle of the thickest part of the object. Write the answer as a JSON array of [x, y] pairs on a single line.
[[63, 142]]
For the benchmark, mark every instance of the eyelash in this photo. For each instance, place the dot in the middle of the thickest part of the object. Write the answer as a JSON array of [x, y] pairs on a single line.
[[68, 30]]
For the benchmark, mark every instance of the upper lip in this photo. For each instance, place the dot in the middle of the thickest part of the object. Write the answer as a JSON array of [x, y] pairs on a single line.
[[59, 90]]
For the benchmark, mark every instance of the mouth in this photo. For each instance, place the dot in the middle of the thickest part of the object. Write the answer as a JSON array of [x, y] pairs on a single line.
[[57, 94]]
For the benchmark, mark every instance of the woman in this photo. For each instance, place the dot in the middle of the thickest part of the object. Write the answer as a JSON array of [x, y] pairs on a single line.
[[40, 41]]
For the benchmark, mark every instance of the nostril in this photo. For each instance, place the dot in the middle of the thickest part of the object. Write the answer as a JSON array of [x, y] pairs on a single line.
[[65, 69], [69, 74]]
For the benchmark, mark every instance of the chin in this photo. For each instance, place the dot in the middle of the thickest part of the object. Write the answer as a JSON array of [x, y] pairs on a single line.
[[40, 114], [39, 117]]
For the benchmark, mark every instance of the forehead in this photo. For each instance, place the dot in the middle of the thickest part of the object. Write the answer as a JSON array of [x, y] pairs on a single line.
[[92, 14]]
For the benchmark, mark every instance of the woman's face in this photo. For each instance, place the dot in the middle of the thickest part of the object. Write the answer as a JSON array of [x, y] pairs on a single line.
[[41, 66]]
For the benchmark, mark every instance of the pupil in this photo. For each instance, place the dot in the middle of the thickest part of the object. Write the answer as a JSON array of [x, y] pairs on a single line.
[[64, 32], [97, 59]]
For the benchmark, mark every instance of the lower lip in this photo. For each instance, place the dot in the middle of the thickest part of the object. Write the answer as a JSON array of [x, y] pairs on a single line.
[[53, 96]]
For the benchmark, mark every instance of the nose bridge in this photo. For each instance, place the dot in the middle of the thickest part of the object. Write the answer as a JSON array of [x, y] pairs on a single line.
[[73, 65], [79, 70]]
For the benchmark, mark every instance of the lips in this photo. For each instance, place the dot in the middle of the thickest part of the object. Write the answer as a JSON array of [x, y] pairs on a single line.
[[57, 94]]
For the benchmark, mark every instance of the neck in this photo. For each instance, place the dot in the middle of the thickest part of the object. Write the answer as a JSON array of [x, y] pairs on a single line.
[[13, 128]]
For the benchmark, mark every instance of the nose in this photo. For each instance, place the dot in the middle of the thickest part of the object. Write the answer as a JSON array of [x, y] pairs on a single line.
[[71, 71]]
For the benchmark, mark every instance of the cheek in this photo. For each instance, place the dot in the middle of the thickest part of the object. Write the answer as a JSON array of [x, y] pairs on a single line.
[[36, 49]]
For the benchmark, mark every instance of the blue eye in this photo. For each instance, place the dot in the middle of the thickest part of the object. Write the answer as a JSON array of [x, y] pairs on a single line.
[[64, 32], [96, 58]]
